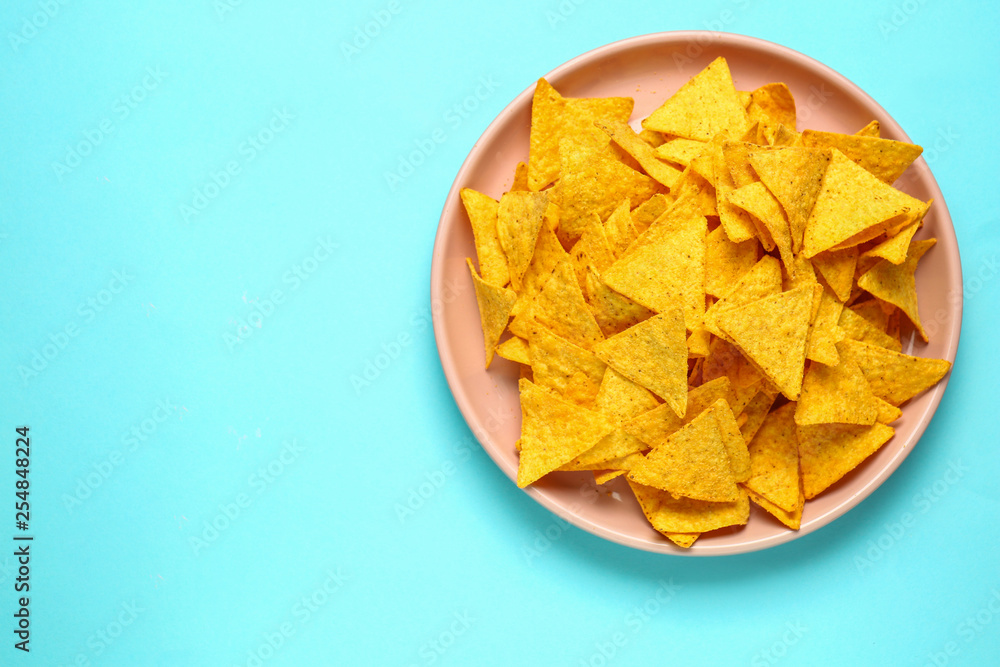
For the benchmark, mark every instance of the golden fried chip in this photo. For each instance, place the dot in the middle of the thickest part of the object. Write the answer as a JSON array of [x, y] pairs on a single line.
[[894, 377], [641, 152], [520, 217], [553, 432], [495, 304], [825, 334], [592, 250], [836, 395], [515, 349], [791, 519], [651, 209], [768, 217], [571, 371], [683, 540], [775, 100], [853, 206], [736, 446], [827, 452], [787, 136], [684, 515], [860, 328], [652, 354], [794, 176], [614, 312], [896, 284], [763, 279], [547, 255], [872, 129], [837, 267], [555, 118], [726, 262], [693, 463], [756, 411], [482, 212], [655, 426], [702, 107], [894, 248], [772, 333], [885, 158], [595, 181], [621, 399], [680, 151], [774, 460], [620, 230], [520, 182]]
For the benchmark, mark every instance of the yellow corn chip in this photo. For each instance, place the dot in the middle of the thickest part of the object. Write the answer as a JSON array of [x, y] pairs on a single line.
[[571, 371], [776, 101], [768, 217], [703, 107], [641, 152], [495, 304], [872, 129], [651, 209], [654, 139], [698, 343], [885, 158], [887, 413], [756, 411], [693, 463], [836, 395], [837, 269], [794, 176], [620, 230], [548, 253], [656, 425], [553, 432], [894, 248], [684, 515], [683, 540], [592, 250], [680, 151], [763, 279], [614, 312], [515, 349], [896, 284], [736, 446], [774, 460], [858, 327], [594, 181], [520, 216], [482, 212], [726, 262], [652, 354], [852, 207], [827, 452], [520, 183], [621, 399], [560, 306], [787, 136], [772, 333], [791, 519], [825, 334], [555, 118], [894, 377]]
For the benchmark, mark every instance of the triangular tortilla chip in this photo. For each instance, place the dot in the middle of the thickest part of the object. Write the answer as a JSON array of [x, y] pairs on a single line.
[[764, 209], [515, 349], [495, 304], [736, 446], [548, 253], [560, 306], [756, 412], [763, 279], [772, 333], [726, 262], [614, 312], [896, 284], [774, 460], [836, 395], [858, 327], [894, 248], [620, 230], [852, 207], [621, 399], [837, 267], [553, 432], [680, 151], [642, 152], [595, 181], [652, 354], [482, 212], [592, 250], [775, 100], [520, 182], [787, 136], [655, 426], [872, 129], [791, 519], [703, 107], [825, 334], [644, 214], [554, 118], [520, 217], [885, 158], [683, 515], [794, 176], [894, 377], [571, 371], [693, 463], [827, 452]]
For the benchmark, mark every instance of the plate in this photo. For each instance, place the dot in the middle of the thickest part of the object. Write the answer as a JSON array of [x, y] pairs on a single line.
[[649, 69]]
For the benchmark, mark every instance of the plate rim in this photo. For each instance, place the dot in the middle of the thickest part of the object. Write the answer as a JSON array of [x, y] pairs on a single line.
[[716, 39]]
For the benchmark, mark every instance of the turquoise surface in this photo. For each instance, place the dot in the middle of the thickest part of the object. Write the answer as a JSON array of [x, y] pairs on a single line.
[[200, 247]]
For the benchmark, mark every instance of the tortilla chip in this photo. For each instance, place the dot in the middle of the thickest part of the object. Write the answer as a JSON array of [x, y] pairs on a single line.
[[896, 284], [655, 426], [515, 349], [763, 279], [620, 230], [592, 250], [594, 181], [652, 354], [684, 515], [703, 107], [736, 446], [894, 248], [827, 452], [693, 463], [651, 209], [482, 212], [698, 343], [837, 267], [852, 207], [571, 371], [520, 183], [894, 377], [621, 399], [560, 306], [495, 304], [726, 262], [887, 413], [825, 334], [680, 151], [787, 136], [555, 118], [768, 217], [683, 540], [553, 432], [756, 412], [641, 152], [872, 129], [772, 333], [547, 255], [776, 101], [614, 312], [836, 395], [857, 327], [885, 158], [794, 176], [519, 219], [791, 519], [774, 460]]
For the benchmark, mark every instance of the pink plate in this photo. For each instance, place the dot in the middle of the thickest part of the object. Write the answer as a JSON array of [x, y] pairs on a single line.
[[649, 69]]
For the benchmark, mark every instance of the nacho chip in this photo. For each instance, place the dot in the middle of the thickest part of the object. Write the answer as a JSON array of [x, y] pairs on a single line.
[[768, 217], [515, 349], [520, 216], [560, 306], [774, 460], [772, 333], [858, 327], [836, 395], [595, 181], [569, 370], [684, 515], [837, 269], [794, 176], [651, 209], [726, 262], [621, 399], [872, 129], [555, 118], [592, 250], [791, 519], [702, 107], [495, 304], [547, 255], [620, 230], [763, 279], [894, 248], [683, 540], [553, 432], [787, 136], [482, 212], [655, 426], [652, 354], [885, 158], [614, 312], [693, 463], [520, 183], [775, 100], [641, 152], [894, 377], [896, 284], [756, 412], [827, 452], [736, 446], [825, 334], [853, 206], [680, 151]]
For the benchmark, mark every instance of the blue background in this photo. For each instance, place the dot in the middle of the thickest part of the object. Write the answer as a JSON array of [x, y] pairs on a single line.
[[206, 481]]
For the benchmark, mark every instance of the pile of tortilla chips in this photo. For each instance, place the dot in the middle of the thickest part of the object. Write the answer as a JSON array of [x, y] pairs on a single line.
[[713, 307]]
